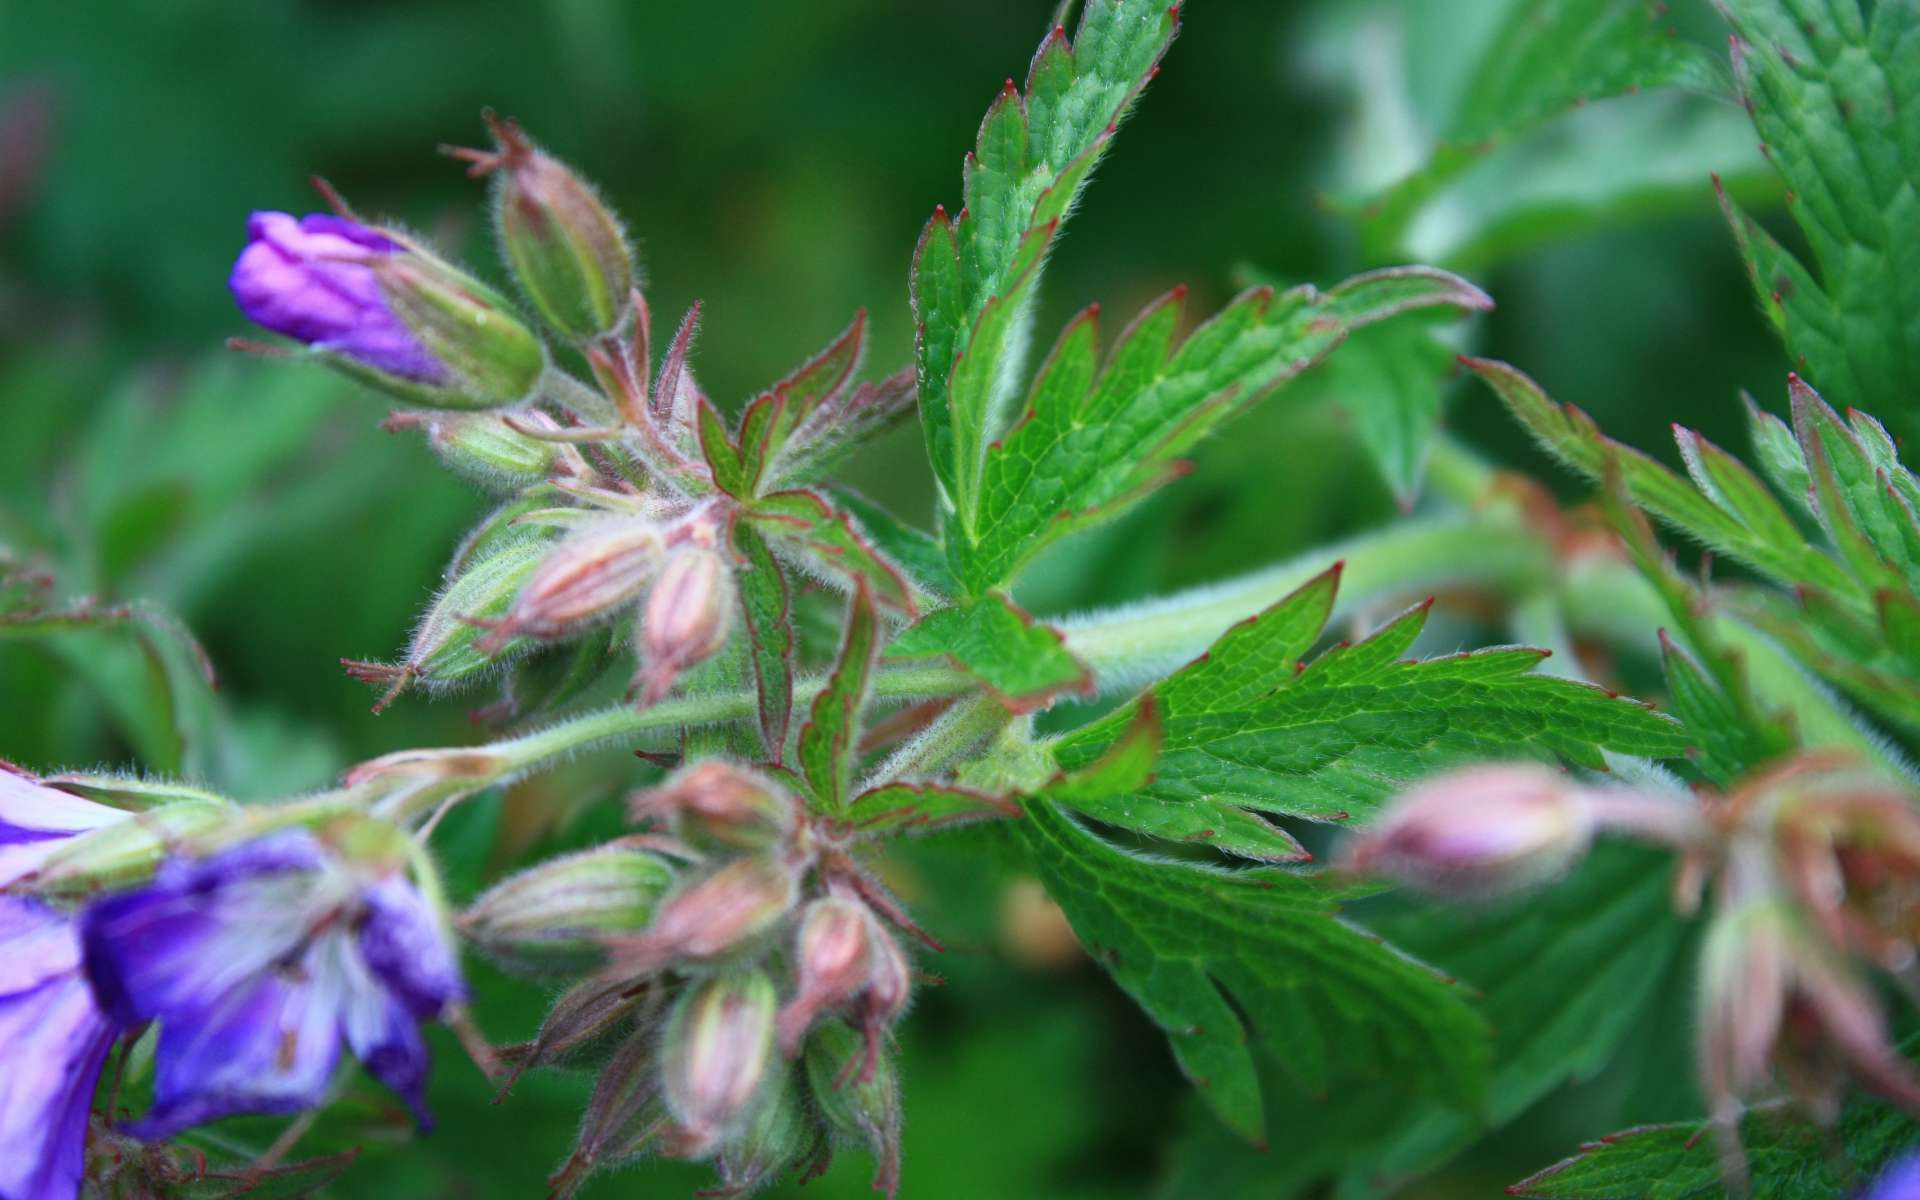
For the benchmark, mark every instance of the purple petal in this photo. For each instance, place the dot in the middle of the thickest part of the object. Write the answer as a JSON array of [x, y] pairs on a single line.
[[37, 944], [269, 1047], [385, 1037], [54, 1040], [1900, 1181], [310, 280], [203, 928], [34, 819], [407, 950]]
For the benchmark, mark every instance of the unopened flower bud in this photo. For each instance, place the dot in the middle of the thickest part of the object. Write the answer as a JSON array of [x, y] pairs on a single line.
[[718, 805], [833, 958], [565, 245], [554, 917], [385, 311], [858, 1102], [1480, 831], [689, 614], [445, 650], [712, 917], [585, 577], [626, 1116], [116, 853], [715, 1056], [409, 782], [484, 449], [777, 1136]]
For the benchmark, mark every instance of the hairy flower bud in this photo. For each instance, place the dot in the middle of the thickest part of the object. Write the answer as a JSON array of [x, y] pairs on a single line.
[[858, 1101], [715, 1056], [833, 959], [1478, 832], [625, 1117], [566, 246], [484, 449], [712, 917], [585, 577], [554, 917], [776, 1137], [718, 805], [446, 648], [386, 311], [127, 851], [689, 614]]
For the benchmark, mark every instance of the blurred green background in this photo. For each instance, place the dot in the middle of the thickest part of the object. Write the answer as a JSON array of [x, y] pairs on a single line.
[[775, 160]]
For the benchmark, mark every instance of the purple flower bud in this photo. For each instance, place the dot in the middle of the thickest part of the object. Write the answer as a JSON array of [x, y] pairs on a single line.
[[1478, 832], [385, 310], [716, 804], [718, 1045], [54, 1039], [259, 963], [313, 280]]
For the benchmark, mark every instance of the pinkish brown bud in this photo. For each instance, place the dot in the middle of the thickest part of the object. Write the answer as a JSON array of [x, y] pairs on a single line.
[[712, 917], [688, 617], [586, 577], [714, 1059], [1850, 849], [1478, 832], [833, 960], [719, 805]]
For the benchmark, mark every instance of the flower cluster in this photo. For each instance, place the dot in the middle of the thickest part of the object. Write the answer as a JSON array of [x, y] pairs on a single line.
[[743, 987], [257, 962], [1816, 879], [613, 506]]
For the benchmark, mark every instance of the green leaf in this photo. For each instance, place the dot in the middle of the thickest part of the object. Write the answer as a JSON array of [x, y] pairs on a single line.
[[1786, 1157], [1248, 727], [895, 808], [730, 472], [778, 413], [766, 609], [1570, 436], [1835, 97], [971, 276], [1093, 439], [805, 522], [828, 741], [1198, 948], [918, 553], [1023, 663], [1544, 59]]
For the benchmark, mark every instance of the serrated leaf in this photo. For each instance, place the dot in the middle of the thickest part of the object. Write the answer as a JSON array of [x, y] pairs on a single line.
[[777, 414], [1570, 436], [1032, 157], [766, 609], [1090, 444], [899, 807], [1543, 60], [1197, 948], [1834, 92], [805, 522], [917, 552], [1023, 663], [1248, 728], [1853, 496], [1787, 1159], [829, 740], [1778, 454], [729, 469]]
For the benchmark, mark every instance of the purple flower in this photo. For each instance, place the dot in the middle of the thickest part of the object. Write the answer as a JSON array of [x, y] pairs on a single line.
[[313, 281], [1900, 1181], [35, 819], [54, 1039], [259, 963]]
